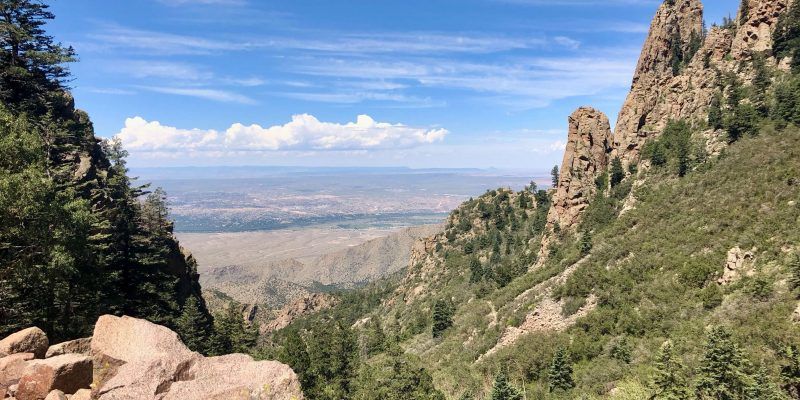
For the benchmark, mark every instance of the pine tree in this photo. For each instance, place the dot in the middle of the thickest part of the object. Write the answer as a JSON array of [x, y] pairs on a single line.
[[722, 373], [794, 271], [715, 111], [32, 63], [744, 12], [560, 372], [677, 51], [786, 36], [193, 326], [621, 350], [586, 243], [617, 173], [503, 390], [668, 381], [762, 388], [476, 270], [790, 371], [554, 176], [442, 317]]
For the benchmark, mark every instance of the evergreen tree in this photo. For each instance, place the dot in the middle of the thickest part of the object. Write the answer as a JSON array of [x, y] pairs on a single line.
[[503, 390], [675, 45], [621, 350], [560, 373], [554, 176], [294, 352], [794, 271], [442, 317], [31, 62], [761, 84], [668, 381], [786, 36], [617, 173], [193, 326], [586, 243], [715, 118], [762, 388], [742, 121], [333, 359], [722, 373], [476, 272], [790, 372], [744, 12]]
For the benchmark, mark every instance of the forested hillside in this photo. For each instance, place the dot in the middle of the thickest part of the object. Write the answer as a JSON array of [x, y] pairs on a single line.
[[664, 263], [78, 237]]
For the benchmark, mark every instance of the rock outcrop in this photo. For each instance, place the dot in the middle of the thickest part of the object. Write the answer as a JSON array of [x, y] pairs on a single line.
[[30, 340], [303, 306], [131, 358], [679, 20], [586, 156]]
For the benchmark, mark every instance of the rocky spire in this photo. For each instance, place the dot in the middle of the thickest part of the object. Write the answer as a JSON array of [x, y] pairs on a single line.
[[586, 156], [671, 32]]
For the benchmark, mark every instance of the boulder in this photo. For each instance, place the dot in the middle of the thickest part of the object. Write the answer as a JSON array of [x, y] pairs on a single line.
[[11, 368], [77, 346], [83, 394], [56, 395], [30, 340], [68, 373], [237, 376], [134, 358]]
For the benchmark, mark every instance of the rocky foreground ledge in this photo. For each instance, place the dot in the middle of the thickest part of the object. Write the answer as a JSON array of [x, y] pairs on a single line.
[[128, 358]]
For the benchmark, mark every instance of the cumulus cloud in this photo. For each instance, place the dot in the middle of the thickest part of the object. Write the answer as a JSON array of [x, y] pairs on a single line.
[[304, 132]]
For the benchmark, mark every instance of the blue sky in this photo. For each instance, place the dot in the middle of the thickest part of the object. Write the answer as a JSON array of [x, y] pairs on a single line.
[[432, 83]]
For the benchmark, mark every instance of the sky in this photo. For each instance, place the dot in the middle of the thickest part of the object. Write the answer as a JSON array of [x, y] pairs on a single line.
[[414, 83]]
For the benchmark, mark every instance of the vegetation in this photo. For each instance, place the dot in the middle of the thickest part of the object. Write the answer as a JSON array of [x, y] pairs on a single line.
[[77, 237]]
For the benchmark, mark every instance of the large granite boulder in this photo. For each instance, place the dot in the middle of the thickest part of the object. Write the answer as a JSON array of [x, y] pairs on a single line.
[[67, 373], [30, 340]]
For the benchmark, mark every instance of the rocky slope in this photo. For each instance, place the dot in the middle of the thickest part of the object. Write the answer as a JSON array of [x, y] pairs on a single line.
[[128, 358], [612, 272], [280, 283]]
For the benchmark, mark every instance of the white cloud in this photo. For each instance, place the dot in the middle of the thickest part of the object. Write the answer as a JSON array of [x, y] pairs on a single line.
[[202, 93], [304, 132], [160, 69]]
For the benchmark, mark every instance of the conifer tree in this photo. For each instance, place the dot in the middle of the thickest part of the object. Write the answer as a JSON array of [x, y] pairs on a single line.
[[442, 317], [744, 11], [554, 176], [786, 36], [586, 243], [617, 174], [722, 373], [503, 390], [715, 111], [790, 371], [794, 272], [32, 64], [621, 350], [192, 326], [668, 381], [560, 373], [762, 388]]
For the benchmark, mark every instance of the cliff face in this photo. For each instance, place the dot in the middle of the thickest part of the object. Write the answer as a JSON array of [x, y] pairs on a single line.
[[674, 25], [585, 158]]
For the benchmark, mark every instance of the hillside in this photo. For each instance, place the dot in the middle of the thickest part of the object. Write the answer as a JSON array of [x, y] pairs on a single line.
[[278, 283], [664, 263]]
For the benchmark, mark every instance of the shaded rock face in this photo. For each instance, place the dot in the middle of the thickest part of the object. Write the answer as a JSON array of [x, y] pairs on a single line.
[[77, 346], [303, 306], [30, 340], [136, 359], [586, 156]]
